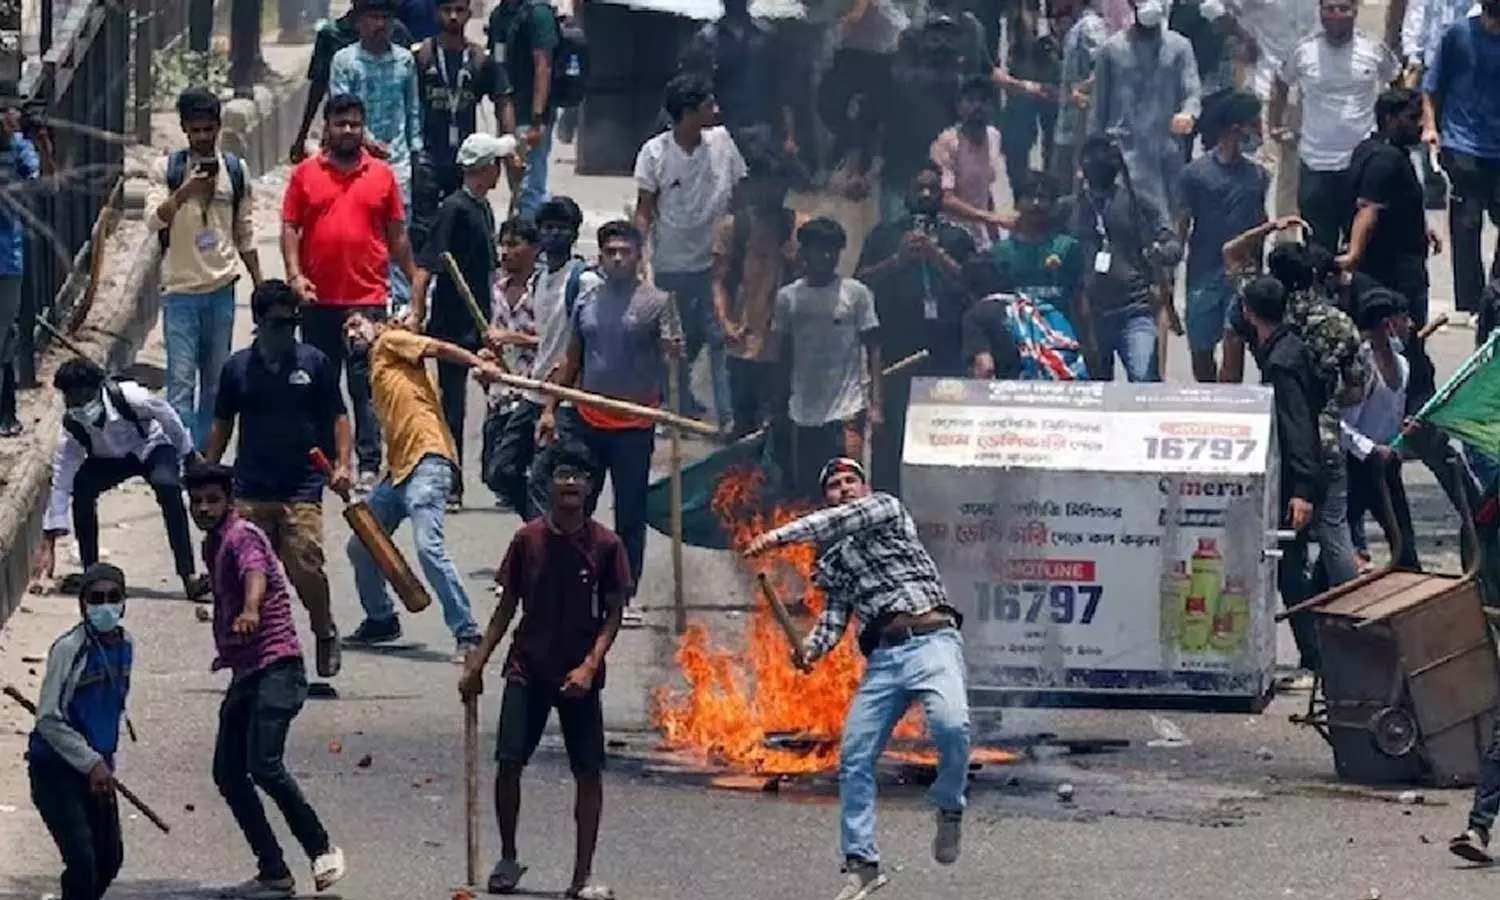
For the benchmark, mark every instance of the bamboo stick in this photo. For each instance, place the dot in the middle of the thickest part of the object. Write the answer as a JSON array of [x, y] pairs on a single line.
[[613, 404], [674, 401], [470, 300]]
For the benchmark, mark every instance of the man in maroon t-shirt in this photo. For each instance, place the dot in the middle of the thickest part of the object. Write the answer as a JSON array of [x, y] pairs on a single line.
[[571, 577], [342, 222], [257, 642]]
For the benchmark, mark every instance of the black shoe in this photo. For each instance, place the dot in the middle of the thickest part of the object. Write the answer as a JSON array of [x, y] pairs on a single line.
[[10, 428], [1472, 845], [376, 631], [330, 656]]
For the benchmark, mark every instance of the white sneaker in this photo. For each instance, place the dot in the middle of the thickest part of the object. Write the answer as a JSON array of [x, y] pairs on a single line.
[[261, 889], [328, 869], [632, 618], [948, 839]]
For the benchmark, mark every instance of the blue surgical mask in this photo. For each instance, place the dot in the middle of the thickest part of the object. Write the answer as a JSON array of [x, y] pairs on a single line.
[[104, 617], [555, 245], [88, 413]]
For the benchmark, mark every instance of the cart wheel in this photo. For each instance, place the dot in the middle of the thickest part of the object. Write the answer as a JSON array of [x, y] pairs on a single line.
[[1394, 731]]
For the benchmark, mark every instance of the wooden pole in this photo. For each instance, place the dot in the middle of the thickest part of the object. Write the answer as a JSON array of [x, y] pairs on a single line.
[[471, 788], [470, 300], [674, 401], [612, 404]]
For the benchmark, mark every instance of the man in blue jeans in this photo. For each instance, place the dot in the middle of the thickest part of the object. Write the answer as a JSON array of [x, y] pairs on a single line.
[[422, 464], [872, 565], [615, 349], [206, 232]]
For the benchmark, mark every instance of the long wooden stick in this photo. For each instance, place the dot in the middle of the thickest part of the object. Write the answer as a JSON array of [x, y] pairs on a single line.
[[779, 611], [470, 300], [471, 787], [894, 368], [129, 795], [612, 404], [674, 401]]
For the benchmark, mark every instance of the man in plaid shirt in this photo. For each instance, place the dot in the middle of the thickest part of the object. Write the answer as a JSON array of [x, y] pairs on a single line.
[[871, 564]]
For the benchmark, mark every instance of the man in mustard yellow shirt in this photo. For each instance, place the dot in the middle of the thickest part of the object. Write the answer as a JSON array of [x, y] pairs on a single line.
[[421, 465]]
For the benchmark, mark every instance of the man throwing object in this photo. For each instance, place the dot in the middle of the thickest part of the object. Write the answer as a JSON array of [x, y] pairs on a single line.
[[872, 565]]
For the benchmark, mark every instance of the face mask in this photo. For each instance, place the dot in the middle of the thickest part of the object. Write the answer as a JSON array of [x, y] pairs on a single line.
[[555, 245], [88, 413], [1149, 14], [1101, 175], [105, 616], [275, 341]]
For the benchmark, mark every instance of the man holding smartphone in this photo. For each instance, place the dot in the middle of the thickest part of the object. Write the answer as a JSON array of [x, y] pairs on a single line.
[[206, 231]]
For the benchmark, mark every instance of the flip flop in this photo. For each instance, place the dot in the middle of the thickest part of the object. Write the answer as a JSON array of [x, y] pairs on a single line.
[[505, 877], [589, 892]]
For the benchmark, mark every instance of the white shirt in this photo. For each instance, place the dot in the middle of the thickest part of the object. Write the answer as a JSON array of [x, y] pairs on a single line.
[[826, 325], [549, 307], [1338, 86], [692, 191], [115, 438], [1376, 419]]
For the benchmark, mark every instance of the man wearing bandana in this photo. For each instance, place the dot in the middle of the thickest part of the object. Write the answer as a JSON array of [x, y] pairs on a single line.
[[872, 565]]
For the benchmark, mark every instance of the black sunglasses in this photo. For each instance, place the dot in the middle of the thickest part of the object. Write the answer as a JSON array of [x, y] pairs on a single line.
[[107, 595]]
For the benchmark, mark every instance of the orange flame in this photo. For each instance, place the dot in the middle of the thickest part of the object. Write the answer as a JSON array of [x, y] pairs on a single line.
[[735, 700]]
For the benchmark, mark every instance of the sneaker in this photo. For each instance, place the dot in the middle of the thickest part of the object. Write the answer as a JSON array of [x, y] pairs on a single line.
[[861, 879], [1298, 682], [464, 647], [328, 869], [948, 838], [632, 618], [1472, 845], [376, 631], [366, 482], [330, 656], [261, 889]]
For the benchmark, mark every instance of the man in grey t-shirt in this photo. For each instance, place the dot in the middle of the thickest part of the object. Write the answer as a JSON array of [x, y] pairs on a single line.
[[828, 330], [614, 348]]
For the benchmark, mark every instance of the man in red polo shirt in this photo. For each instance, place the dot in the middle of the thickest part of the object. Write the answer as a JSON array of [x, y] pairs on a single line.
[[342, 222]]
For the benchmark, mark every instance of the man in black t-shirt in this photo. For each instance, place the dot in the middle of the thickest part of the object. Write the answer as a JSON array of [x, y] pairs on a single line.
[[453, 75], [1389, 240], [331, 38]]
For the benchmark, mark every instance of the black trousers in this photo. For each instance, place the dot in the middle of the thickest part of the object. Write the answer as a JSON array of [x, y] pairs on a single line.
[[507, 474], [162, 469], [453, 387], [1294, 582], [1023, 120], [1365, 476], [1475, 192], [812, 448], [1327, 203], [750, 385], [323, 327], [85, 827], [254, 719]]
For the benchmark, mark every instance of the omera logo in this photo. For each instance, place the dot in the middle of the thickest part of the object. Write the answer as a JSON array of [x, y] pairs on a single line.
[[1193, 488]]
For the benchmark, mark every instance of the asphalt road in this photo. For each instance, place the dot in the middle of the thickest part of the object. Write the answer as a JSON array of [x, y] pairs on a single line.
[[1245, 811]]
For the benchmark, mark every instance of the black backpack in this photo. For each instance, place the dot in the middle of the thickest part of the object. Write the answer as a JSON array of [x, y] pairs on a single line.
[[570, 59], [116, 398], [177, 174]]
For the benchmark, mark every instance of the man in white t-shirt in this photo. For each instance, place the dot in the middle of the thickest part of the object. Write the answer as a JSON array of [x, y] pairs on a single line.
[[685, 179], [829, 335], [560, 279], [1338, 73]]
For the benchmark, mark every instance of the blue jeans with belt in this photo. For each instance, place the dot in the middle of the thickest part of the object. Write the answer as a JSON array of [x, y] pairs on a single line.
[[929, 668], [198, 330]]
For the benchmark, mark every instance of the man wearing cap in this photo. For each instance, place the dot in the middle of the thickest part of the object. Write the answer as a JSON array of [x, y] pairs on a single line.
[[871, 564], [465, 227], [71, 753]]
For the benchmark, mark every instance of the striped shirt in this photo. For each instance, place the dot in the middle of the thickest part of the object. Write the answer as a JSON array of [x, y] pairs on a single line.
[[870, 564], [387, 84], [1339, 85], [1424, 23], [232, 552]]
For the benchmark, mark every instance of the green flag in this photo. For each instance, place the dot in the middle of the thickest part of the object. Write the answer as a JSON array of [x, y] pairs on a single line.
[[1468, 405], [749, 463]]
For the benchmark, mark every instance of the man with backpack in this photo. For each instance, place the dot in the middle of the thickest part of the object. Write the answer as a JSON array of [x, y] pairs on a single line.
[[113, 431], [453, 75], [206, 231], [545, 64]]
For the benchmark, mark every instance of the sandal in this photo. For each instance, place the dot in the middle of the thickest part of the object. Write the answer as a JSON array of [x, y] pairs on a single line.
[[199, 589], [589, 892], [505, 877]]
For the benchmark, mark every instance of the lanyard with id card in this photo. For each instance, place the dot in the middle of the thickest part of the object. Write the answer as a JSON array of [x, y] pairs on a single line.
[[455, 87], [1103, 258]]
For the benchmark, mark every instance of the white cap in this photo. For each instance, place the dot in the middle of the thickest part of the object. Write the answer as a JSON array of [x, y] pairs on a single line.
[[479, 149]]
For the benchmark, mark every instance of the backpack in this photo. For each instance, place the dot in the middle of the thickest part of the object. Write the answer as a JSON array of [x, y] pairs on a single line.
[[426, 55], [574, 285], [570, 58], [1045, 339], [177, 173], [116, 398]]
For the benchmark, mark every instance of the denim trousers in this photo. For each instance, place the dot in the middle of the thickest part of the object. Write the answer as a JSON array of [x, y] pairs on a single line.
[[254, 720], [533, 191], [929, 668], [625, 456], [422, 497], [323, 328], [198, 330], [700, 327], [400, 284], [1330, 528], [1487, 791], [85, 827], [1132, 337], [515, 449]]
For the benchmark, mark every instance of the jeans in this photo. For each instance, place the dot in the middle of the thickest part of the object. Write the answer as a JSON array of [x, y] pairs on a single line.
[[296, 532], [700, 327], [1330, 528], [400, 284], [323, 327], [929, 667], [1133, 338], [1295, 585], [254, 719], [85, 828], [1365, 477], [514, 452], [1487, 791], [162, 469], [623, 454], [533, 190], [198, 330], [1476, 191], [1326, 203], [422, 497]]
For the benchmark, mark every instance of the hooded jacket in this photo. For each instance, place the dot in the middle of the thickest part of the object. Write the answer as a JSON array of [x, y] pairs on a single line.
[[83, 698]]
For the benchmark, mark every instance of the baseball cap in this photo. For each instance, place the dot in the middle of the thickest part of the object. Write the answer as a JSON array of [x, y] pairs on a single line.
[[479, 149]]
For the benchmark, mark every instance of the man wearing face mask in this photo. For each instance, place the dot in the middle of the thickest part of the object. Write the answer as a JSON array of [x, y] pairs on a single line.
[[1125, 239], [284, 396], [114, 431], [71, 752], [1338, 74], [1147, 97]]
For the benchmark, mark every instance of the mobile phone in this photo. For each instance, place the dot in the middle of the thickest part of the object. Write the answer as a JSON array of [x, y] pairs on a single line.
[[208, 167]]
